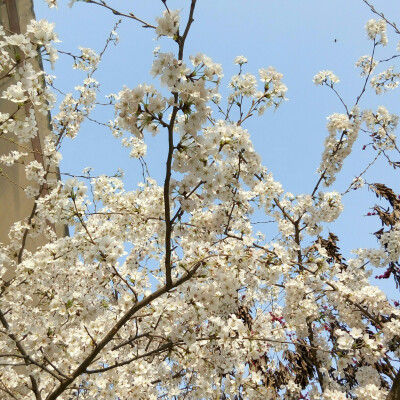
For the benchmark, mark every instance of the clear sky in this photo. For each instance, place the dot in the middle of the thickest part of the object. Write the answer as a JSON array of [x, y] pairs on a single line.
[[298, 38]]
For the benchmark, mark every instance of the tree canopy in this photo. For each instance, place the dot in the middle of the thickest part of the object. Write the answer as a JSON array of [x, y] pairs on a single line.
[[216, 283]]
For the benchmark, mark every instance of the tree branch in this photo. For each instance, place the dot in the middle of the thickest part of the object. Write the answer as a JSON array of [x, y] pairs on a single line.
[[82, 368], [167, 201], [116, 12]]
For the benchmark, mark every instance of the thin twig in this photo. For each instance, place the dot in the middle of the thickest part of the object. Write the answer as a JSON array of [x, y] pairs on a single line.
[[116, 12]]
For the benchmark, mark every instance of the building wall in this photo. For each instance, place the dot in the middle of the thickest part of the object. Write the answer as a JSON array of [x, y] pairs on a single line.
[[14, 205]]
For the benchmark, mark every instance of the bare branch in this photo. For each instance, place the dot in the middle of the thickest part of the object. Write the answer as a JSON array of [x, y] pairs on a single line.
[[116, 12]]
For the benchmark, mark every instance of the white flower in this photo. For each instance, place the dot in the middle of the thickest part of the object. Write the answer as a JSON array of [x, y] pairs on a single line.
[[344, 341], [16, 40], [367, 64], [356, 333], [42, 31], [88, 60], [327, 77], [15, 93], [34, 171], [240, 60], [168, 24], [12, 157], [377, 27]]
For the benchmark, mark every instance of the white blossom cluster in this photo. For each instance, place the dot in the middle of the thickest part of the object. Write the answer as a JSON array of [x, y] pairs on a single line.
[[87, 60], [343, 132], [389, 251], [386, 80], [390, 241], [382, 124], [168, 24], [367, 65], [377, 27], [327, 77], [244, 85]]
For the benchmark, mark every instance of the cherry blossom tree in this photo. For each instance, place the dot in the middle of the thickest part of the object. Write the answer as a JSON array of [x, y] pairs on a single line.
[[171, 290]]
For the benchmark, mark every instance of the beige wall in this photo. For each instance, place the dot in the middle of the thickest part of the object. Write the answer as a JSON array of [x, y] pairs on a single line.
[[14, 206]]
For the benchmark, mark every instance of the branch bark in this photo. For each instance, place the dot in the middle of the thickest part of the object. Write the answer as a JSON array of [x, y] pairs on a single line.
[[167, 203], [394, 393]]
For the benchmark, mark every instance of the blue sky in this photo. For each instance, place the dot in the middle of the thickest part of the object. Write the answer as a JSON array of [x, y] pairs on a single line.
[[298, 38]]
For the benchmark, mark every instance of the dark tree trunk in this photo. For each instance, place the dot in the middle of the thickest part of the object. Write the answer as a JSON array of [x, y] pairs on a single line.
[[394, 393]]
